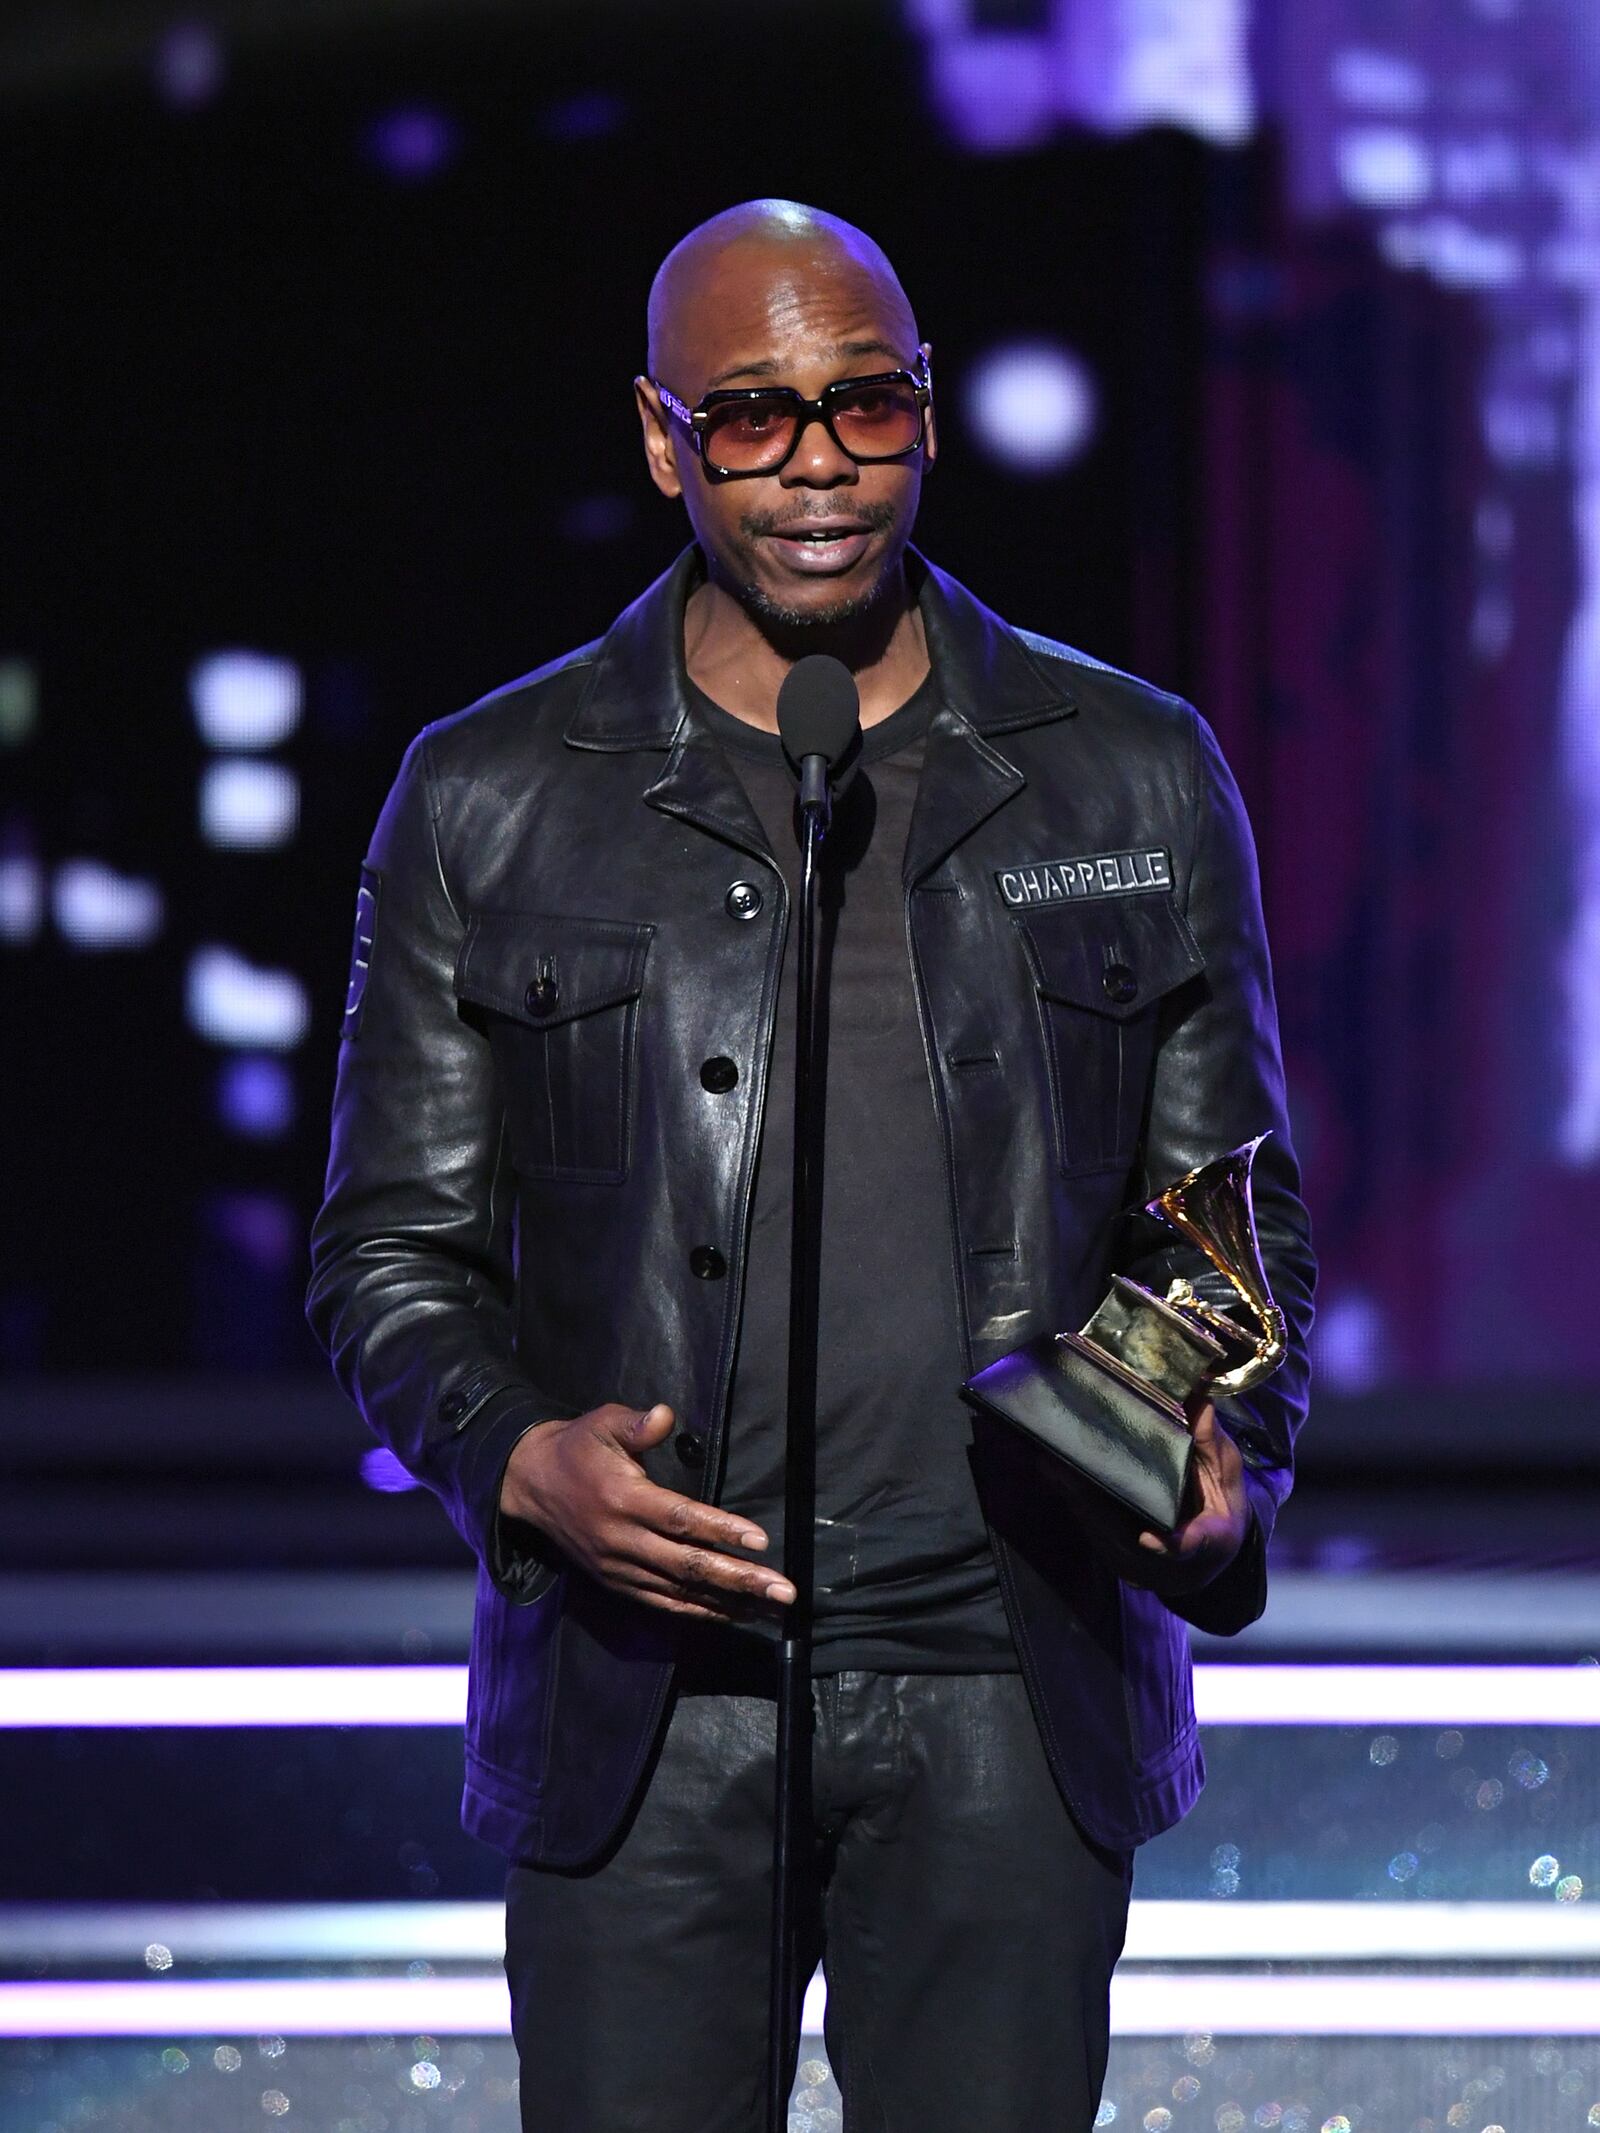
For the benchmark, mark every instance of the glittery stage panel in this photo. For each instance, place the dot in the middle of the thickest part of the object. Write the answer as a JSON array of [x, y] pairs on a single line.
[[1194, 2084], [1202, 2084], [247, 2084], [330, 2085], [1488, 1813]]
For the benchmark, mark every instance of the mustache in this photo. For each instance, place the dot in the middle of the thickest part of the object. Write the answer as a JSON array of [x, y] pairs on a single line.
[[876, 517]]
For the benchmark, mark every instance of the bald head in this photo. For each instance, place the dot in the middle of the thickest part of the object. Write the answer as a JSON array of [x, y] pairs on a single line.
[[757, 267]]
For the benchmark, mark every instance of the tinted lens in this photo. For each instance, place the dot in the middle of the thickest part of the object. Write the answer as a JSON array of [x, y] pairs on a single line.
[[743, 435], [877, 421]]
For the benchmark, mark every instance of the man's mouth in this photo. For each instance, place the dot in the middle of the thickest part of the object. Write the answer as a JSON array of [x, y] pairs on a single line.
[[823, 544]]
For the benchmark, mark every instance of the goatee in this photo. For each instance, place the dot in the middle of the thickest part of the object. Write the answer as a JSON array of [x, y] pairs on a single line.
[[803, 621]]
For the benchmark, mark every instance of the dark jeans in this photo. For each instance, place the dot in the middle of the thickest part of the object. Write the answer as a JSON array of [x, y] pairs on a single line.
[[966, 1928]]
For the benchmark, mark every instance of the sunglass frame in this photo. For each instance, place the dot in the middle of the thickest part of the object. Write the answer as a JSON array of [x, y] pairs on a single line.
[[697, 419]]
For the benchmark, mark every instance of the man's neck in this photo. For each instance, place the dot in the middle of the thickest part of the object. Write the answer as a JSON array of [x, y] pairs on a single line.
[[742, 666]]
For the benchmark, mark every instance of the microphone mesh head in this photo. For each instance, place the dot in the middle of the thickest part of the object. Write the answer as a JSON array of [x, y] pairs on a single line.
[[819, 708]]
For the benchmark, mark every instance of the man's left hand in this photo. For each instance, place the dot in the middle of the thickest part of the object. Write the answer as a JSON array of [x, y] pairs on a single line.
[[1203, 1545]]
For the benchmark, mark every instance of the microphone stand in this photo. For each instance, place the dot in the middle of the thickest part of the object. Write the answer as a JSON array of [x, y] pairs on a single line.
[[792, 1820]]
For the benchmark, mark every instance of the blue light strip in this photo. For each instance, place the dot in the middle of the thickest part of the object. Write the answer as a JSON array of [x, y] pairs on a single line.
[[1147, 2004], [1266, 1695]]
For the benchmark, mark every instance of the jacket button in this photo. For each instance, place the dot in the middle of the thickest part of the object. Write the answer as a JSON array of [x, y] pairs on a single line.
[[453, 1406], [706, 1263], [743, 900], [1120, 983], [542, 995], [691, 1449], [718, 1075]]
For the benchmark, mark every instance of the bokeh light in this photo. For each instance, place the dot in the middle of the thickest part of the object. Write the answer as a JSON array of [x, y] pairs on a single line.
[[414, 142], [248, 805], [244, 699], [230, 1001], [255, 1096], [96, 907], [1032, 406]]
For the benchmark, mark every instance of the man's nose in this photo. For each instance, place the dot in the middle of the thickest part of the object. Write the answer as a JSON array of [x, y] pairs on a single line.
[[817, 461]]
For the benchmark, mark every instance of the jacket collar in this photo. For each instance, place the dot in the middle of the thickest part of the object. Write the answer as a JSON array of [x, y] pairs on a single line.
[[637, 694]]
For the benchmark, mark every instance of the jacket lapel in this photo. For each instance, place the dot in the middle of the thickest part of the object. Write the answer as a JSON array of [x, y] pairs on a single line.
[[698, 786], [963, 781], [987, 684]]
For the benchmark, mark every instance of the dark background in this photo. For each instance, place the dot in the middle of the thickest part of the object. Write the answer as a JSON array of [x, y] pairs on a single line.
[[278, 380]]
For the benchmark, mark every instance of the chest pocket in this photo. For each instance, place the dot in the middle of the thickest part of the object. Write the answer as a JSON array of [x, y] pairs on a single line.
[[1101, 969], [558, 999]]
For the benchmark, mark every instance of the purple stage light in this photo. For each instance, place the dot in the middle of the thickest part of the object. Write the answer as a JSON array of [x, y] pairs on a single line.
[[1032, 406], [1368, 79], [1265, 1694], [1160, 1930], [230, 1000], [97, 908], [286, 2007], [1214, 2003], [189, 64], [591, 116], [1348, 1343], [381, 1470], [262, 1228], [1384, 167], [21, 897], [414, 142], [233, 1696], [255, 1097], [244, 699], [246, 805], [1115, 65], [994, 93], [1395, 2004]]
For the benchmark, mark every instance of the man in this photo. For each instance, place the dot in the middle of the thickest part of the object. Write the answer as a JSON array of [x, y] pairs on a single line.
[[552, 1264]]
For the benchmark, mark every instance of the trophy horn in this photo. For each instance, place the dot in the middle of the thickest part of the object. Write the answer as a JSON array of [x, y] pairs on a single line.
[[1211, 1208]]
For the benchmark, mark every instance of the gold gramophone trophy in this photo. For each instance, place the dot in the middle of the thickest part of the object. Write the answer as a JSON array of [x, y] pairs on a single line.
[[1112, 1400]]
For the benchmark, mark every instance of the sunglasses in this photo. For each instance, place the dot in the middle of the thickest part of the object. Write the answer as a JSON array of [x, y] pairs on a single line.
[[757, 429]]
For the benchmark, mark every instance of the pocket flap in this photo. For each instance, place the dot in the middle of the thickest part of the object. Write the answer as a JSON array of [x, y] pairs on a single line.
[[1110, 955], [545, 969]]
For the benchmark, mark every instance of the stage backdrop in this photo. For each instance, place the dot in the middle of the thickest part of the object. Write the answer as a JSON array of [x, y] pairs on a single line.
[[1267, 366]]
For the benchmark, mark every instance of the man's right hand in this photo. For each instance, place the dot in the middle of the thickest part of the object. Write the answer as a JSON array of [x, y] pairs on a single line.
[[582, 1483]]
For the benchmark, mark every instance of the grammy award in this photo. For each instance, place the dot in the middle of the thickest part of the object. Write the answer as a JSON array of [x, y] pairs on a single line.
[[1112, 1401]]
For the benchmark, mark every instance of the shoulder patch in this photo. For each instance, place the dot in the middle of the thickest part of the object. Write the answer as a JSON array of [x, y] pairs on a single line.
[[355, 991]]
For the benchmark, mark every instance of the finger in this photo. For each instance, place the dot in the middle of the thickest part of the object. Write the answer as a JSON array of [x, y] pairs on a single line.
[[629, 1430], [699, 1570], [684, 1519], [643, 1429], [725, 1604]]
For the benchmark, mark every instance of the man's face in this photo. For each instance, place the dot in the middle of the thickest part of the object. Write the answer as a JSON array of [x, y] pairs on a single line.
[[765, 316]]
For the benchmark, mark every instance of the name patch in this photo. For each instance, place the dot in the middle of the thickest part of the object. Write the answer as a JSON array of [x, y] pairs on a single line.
[[355, 991], [1059, 881]]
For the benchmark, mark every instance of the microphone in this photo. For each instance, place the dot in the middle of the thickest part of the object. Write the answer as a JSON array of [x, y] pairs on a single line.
[[819, 721]]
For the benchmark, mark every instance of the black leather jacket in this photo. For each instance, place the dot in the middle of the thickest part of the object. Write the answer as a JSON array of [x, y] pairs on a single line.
[[534, 1205]]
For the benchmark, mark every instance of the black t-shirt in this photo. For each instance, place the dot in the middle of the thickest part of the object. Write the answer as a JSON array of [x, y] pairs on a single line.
[[905, 1578]]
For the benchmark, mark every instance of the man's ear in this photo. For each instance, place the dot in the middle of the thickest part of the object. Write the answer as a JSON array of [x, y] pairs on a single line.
[[660, 445]]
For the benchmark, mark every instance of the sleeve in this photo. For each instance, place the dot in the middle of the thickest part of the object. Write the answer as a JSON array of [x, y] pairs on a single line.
[[412, 1284], [1218, 1081]]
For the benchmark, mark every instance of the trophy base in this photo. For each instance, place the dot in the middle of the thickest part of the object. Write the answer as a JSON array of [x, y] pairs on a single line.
[[1088, 1408]]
